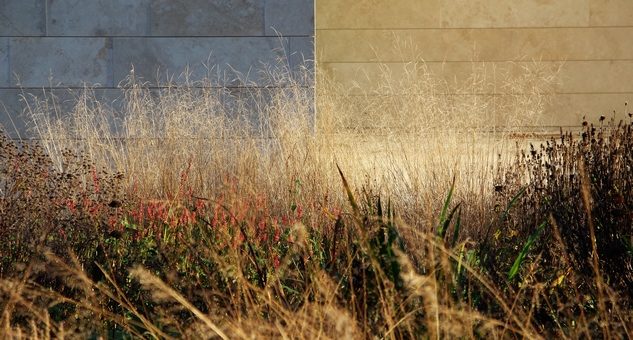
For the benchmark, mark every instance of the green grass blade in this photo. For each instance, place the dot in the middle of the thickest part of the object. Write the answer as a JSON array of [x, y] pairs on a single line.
[[512, 202], [519, 260], [456, 228], [504, 215], [441, 232], [628, 246], [350, 195], [444, 211]]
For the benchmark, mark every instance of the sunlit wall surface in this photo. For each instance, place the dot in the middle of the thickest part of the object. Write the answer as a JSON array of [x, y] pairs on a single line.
[[359, 40]]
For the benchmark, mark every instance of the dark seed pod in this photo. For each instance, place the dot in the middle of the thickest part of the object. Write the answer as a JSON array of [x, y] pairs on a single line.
[[114, 204]]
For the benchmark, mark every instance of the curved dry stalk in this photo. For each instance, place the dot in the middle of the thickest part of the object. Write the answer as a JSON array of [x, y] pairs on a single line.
[[148, 280]]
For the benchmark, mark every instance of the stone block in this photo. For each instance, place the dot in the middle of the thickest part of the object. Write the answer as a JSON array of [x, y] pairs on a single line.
[[597, 76], [492, 77], [67, 99], [22, 18], [569, 109], [604, 43], [362, 78], [54, 102], [563, 110], [207, 18], [57, 62], [518, 13], [611, 13], [301, 57], [395, 14], [289, 17], [387, 14], [4, 62], [12, 120], [98, 18], [243, 104], [224, 60]]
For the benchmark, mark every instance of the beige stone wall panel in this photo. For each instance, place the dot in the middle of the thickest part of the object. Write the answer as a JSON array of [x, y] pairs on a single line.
[[476, 44], [563, 110], [394, 14], [569, 109], [515, 13], [357, 41], [494, 77], [611, 13], [336, 14]]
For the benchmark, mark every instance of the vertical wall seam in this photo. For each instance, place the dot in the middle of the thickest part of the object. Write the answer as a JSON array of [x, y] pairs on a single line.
[[315, 87]]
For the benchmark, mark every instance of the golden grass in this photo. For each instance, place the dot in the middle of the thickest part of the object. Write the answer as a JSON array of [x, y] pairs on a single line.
[[406, 147], [264, 138]]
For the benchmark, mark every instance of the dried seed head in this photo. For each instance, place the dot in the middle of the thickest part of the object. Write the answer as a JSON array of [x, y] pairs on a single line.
[[114, 204]]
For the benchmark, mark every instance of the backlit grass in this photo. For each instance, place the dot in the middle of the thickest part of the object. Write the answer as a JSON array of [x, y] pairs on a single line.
[[203, 212]]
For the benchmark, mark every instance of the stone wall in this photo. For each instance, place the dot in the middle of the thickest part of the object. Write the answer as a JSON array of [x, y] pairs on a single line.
[[591, 38], [61, 44]]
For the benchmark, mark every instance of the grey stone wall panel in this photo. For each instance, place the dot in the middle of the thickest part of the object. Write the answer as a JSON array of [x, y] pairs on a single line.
[[13, 103], [66, 43], [22, 18], [207, 17], [301, 52], [12, 120], [289, 17], [70, 61], [4, 62], [218, 58], [98, 17]]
